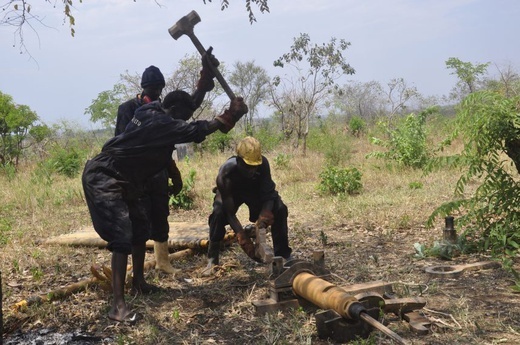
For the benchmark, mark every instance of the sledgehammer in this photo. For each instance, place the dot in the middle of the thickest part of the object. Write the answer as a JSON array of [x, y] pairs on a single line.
[[184, 26]]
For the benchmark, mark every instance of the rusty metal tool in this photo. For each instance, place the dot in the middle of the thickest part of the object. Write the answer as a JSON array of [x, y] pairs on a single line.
[[346, 315], [184, 26], [455, 271]]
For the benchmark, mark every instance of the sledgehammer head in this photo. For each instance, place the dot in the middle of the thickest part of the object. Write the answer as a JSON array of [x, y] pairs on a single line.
[[184, 26]]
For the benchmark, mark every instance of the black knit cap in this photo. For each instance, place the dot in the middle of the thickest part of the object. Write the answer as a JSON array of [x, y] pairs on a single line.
[[152, 76]]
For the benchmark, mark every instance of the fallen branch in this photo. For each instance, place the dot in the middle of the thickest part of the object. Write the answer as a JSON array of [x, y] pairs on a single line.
[[446, 315], [104, 280]]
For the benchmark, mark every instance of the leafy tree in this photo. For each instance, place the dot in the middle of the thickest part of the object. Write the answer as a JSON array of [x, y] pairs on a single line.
[[469, 76], [18, 13], [104, 108], [315, 71], [489, 125], [356, 125], [186, 76], [252, 83], [18, 130], [357, 99]]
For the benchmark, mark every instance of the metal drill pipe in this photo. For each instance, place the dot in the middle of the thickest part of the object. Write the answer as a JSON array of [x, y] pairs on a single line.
[[323, 293], [329, 296]]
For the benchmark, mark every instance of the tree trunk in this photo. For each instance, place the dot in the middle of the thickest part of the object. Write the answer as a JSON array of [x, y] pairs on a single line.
[[513, 151]]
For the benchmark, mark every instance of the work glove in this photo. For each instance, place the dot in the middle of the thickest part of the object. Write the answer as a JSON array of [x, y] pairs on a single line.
[[249, 229], [175, 175], [265, 219], [247, 245], [231, 116], [206, 83]]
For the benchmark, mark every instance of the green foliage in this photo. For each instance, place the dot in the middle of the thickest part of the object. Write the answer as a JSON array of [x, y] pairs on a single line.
[[176, 314], [441, 249], [326, 59], [316, 67], [65, 161], [5, 229], [406, 144], [253, 81], [467, 73], [36, 273], [332, 143], [282, 160], [42, 175], [415, 185], [184, 200], [357, 125], [334, 180], [487, 122], [104, 108], [323, 238], [267, 137], [9, 170], [371, 340], [17, 124], [516, 275], [217, 142]]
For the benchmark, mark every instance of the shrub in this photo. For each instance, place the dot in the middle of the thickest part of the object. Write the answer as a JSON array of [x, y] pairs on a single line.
[[337, 181], [67, 162], [9, 170], [217, 142], [415, 185], [281, 161], [357, 125], [334, 145], [488, 124], [268, 140], [407, 143], [184, 199]]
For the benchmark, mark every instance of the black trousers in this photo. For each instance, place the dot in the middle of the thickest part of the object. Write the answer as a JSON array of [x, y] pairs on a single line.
[[157, 206], [279, 230]]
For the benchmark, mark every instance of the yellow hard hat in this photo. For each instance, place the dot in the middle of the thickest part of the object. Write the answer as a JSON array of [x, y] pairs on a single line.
[[249, 150]]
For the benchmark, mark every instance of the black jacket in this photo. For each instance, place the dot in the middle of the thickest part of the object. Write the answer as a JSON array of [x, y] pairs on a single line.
[[125, 112], [145, 146]]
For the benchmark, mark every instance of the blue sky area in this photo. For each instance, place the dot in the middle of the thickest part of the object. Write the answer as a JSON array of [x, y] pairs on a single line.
[[408, 39]]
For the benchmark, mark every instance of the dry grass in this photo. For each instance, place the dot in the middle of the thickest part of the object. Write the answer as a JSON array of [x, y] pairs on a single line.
[[366, 237]]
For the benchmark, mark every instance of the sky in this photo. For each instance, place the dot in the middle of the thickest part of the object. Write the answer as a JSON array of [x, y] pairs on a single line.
[[409, 39]]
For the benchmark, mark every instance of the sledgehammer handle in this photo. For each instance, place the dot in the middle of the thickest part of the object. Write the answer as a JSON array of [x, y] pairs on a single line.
[[214, 69]]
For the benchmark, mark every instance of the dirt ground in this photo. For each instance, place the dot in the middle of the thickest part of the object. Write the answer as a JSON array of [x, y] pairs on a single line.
[[475, 308]]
